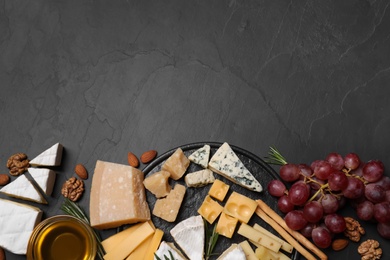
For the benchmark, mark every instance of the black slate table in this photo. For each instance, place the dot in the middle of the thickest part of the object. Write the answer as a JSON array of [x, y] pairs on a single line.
[[107, 77]]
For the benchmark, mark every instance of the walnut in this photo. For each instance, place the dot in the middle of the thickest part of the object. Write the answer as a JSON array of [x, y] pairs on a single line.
[[18, 164], [73, 189], [353, 230], [370, 250]]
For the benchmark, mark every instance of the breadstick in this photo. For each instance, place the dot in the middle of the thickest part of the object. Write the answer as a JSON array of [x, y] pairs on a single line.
[[280, 221]]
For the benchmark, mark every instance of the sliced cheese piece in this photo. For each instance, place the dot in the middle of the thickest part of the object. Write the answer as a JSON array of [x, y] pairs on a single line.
[[22, 188], [240, 207], [266, 253], [158, 183], [176, 164], [189, 234], [285, 245], [226, 163], [199, 178], [218, 190], [17, 221], [258, 238], [140, 251], [234, 252], [50, 157], [166, 250], [226, 225], [117, 196], [249, 253], [210, 209], [154, 244], [132, 241], [45, 178], [201, 156], [112, 241], [167, 208]]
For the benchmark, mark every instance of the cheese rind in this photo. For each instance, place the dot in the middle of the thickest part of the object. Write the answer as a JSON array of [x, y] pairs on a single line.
[[234, 252], [165, 249], [201, 156], [226, 163], [176, 164], [45, 178], [167, 208], [199, 178], [50, 157], [117, 196], [17, 222]]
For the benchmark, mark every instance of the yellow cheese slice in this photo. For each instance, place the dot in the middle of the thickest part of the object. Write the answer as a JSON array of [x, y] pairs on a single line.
[[285, 245], [154, 244], [249, 253], [112, 241], [140, 251], [258, 238]]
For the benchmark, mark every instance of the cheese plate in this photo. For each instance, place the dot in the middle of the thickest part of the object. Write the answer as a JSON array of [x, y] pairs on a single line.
[[194, 196]]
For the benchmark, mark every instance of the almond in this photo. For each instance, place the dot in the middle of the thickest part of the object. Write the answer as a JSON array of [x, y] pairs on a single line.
[[81, 171], [132, 159], [339, 244], [2, 254], [148, 156], [4, 179]]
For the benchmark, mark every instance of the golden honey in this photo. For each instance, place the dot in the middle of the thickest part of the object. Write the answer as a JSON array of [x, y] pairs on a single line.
[[62, 238]]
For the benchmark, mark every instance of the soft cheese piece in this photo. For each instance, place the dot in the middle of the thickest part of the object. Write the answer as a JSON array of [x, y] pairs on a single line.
[[189, 235], [226, 163], [201, 156], [167, 208], [117, 196], [176, 164], [199, 178], [17, 221], [158, 183], [166, 249], [45, 178], [50, 157], [22, 188], [234, 252]]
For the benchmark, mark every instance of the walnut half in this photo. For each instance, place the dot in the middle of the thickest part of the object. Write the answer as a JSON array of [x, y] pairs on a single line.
[[73, 189], [370, 250], [353, 229], [18, 164]]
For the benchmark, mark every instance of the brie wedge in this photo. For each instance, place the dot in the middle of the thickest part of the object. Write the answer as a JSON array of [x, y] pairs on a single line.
[[166, 250], [22, 188], [226, 163], [17, 222], [50, 157], [234, 252], [189, 235], [45, 178], [201, 156]]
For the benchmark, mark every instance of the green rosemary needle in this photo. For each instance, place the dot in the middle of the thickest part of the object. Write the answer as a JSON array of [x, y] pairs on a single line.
[[275, 157]]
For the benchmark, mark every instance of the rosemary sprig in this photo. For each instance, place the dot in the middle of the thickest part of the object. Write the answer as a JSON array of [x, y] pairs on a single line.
[[73, 209], [275, 157], [211, 240], [166, 257]]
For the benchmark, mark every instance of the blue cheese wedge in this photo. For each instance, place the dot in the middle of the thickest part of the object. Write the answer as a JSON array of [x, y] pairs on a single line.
[[234, 252], [199, 178], [165, 251], [17, 222], [201, 156], [22, 188], [190, 236], [50, 157], [45, 178], [226, 163]]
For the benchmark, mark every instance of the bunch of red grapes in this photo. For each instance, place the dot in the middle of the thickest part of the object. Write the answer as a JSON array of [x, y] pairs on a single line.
[[317, 192]]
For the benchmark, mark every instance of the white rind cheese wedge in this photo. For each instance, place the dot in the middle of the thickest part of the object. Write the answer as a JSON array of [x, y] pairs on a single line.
[[22, 188], [17, 221], [201, 156], [234, 252], [45, 178], [165, 249], [226, 163], [199, 178], [50, 157], [189, 235]]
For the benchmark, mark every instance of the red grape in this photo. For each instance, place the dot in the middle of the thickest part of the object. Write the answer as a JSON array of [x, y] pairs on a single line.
[[329, 204], [313, 211], [384, 182], [305, 171], [354, 189], [387, 196], [365, 210], [289, 172], [295, 220], [299, 193], [382, 212], [276, 188], [307, 230], [351, 161], [322, 170], [284, 204], [335, 223], [336, 160], [384, 230], [321, 237], [373, 171], [374, 193], [337, 181]]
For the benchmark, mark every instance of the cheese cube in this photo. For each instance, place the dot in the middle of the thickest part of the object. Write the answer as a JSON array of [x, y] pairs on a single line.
[[226, 225], [240, 207], [210, 209], [158, 183], [218, 190], [167, 208], [176, 164], [117, 196]]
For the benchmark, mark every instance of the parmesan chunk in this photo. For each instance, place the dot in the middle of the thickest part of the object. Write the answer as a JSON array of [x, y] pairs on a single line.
[[176, 164], [168, 208], [158, 184]]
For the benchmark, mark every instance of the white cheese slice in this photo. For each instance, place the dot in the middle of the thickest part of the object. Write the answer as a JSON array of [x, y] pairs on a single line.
[[226, 163], [17, 221], [22, 188], [166, 249], [234, 252], [201, 156], [199, 178], [50, 157], [189, 235], [45, 178]]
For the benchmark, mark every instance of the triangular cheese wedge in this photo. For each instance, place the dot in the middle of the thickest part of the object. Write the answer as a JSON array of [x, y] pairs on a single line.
[[201, 156], [234, 252], [189, 235], [22, 188], [167, 249], [17, 221], [45, 178], [50, 157], [226, 163]]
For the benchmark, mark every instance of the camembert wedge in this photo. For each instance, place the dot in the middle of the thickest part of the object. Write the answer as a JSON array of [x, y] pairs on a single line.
[[50, 157], [167, 249], [226, 163], [234, 252], [44, 177]]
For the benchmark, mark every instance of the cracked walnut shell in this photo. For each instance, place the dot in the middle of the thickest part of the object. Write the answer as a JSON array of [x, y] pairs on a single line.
[[353, 229], [18, 164], [370, 250], [73, 189]]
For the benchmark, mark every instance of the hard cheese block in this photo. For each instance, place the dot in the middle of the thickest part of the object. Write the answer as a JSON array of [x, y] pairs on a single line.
[[45, 178], [117, 196], [17, 222], [158, 183], [50, 157], [167, 208], [176, 164]]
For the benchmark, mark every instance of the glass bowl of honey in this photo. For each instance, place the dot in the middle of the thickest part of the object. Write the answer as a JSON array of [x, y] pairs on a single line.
[[62, 237]]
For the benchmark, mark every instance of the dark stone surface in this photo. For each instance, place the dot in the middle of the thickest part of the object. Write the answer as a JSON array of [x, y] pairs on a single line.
[[107, 77]]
